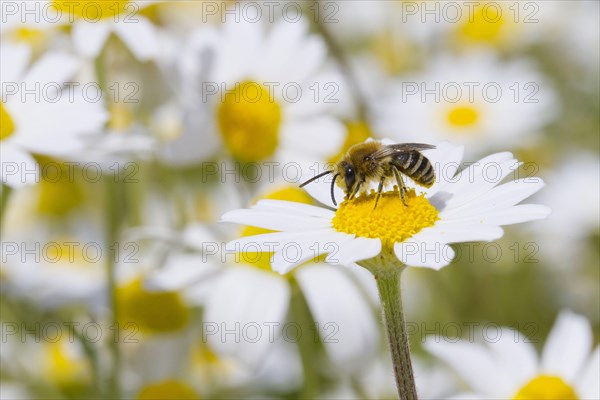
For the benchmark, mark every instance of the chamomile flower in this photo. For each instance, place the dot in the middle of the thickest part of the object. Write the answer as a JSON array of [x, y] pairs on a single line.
[[510, 369], [260, 84], [470, 205], [473, 99], [93, 22], [51, 120]]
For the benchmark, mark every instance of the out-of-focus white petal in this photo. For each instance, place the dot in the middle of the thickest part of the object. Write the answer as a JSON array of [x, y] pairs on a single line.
[[18, 167], [251, 304], [475, 365], [568, 345], [140, 37], [89, 38], [346, 324], [588, 381], [517, 357]]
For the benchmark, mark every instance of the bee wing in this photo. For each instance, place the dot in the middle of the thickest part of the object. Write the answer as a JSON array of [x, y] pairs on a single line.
[[392, 149]]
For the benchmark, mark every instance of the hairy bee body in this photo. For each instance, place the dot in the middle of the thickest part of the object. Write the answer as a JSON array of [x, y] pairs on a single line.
[[375, 161]]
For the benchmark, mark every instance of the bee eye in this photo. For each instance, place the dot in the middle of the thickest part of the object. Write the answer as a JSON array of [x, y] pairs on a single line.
[[349, 177]]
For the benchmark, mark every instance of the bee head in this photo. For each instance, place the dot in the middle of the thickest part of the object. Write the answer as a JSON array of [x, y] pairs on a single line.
[[349, 173]]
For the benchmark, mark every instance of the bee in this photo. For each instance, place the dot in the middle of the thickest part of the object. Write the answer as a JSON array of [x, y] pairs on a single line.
[[375, 161]]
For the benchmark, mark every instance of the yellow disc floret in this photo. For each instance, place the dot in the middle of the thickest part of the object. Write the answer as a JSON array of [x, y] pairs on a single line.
[[391, 221], [485, 23], [249, 122], [463, 116], [151, 312], [546, 387], [7, 126], [92, 10], [168, 390]]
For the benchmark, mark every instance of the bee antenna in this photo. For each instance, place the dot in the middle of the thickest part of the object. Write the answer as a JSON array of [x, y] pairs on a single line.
[[332, 187], [314, 178]]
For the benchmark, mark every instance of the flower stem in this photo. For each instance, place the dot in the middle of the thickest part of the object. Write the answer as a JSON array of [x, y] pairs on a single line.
[[388, 284], [113, 218]]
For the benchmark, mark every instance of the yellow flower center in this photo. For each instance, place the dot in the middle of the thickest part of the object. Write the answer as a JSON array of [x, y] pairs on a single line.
[[151, 312], [545, 387], [7, 126], [463, 116], [485, 23], [59, 190], [168, 390], [357, 132], [249, 121], [92, 9], [63, 367], [121, 117], [391, 221]]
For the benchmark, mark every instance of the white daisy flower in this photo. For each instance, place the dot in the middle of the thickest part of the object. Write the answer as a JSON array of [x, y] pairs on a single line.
[[473, 99], [93, 21], [261, 89], [510, 369], [51, 121], [466, 206]]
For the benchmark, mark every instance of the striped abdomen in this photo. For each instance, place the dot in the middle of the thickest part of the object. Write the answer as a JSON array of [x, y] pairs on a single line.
[[416, 166]]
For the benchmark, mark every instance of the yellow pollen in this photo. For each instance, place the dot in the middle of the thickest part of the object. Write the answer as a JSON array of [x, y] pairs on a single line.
[[463, 116], [484, 23], [92, 10], [151, 312], [545, 387], [249, 121], [167, 390], [357, 132], [391, 221], [7, 126]]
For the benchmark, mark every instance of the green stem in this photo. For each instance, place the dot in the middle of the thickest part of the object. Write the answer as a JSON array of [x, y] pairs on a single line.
[[388, 284], [6, 190], [113, 217]]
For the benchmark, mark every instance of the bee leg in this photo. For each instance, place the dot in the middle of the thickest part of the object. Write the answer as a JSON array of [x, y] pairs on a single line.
[[401, 185], [379, 190]]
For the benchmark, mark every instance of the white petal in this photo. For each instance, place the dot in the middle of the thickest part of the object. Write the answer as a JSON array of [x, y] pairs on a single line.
[[18, 167], [251, 304], [269, 242], [588, 385], [416, 253], [568, 345], [89, 38], [503, 196], [296, 253], [54, 67], [512, 215], [275, 221], [294, 207], [457, 233], [346, 323], [357, 249], [475, 365], [517, 357], [140, 37], [13, 61], [301, 136]]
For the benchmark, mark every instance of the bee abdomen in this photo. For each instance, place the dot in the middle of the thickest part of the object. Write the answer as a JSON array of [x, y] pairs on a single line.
[[418, 167]]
